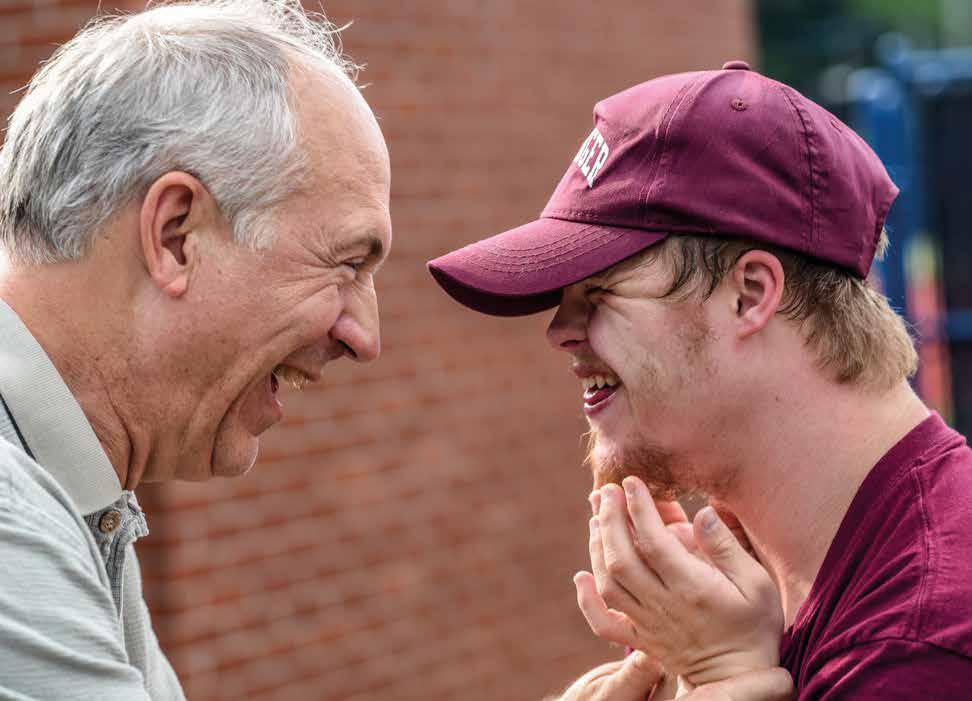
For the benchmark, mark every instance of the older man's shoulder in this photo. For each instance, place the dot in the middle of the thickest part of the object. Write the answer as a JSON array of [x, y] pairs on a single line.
[[31, 498]]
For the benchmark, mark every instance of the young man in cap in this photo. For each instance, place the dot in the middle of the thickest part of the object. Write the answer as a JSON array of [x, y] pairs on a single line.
[[707, 252]]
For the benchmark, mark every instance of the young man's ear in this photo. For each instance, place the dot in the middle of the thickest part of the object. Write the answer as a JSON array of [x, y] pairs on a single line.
[[757, 285], [175, 207]]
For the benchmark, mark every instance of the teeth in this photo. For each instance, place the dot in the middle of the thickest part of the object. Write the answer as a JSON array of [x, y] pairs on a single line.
[[599, 381], [292, 377]]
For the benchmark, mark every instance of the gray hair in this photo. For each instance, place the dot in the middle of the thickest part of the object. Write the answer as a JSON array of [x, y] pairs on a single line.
[[203, 87]]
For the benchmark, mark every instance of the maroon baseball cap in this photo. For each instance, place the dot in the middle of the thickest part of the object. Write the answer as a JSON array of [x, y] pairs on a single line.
[[723, 153]]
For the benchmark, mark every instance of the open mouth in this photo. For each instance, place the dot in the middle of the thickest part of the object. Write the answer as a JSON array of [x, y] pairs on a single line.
[[599, 388], [292, 377]]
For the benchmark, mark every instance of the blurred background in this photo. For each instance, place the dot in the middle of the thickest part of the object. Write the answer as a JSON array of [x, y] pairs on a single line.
[[411, 530]]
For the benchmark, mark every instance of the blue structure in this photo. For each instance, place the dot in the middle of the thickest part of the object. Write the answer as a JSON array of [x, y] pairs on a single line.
[[916, 112]]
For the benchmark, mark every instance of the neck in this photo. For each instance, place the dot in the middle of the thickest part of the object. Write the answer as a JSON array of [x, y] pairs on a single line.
[[70, 309], [801, 477]]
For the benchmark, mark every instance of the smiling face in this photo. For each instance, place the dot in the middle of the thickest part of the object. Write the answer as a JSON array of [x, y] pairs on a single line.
[[648, 372], [310, 298], [249, 320]]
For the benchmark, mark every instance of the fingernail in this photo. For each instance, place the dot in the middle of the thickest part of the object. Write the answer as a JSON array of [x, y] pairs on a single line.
[[607, 491], [594, 524], [629, 486], [709, 518]]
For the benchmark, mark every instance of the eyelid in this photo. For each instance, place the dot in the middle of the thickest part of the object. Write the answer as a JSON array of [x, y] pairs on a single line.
[[597, 296]]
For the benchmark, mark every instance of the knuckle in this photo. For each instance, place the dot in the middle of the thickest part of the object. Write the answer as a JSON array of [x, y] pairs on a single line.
[[617, 566], [694, 598], [647, 546], [613, 596], [724, 543]]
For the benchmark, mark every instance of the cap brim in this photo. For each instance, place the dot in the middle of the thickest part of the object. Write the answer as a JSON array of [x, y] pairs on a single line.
[[523, 270]]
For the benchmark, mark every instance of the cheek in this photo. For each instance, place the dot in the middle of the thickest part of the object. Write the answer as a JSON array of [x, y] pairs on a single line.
[[649, 361], [315, 314], [664, 379]]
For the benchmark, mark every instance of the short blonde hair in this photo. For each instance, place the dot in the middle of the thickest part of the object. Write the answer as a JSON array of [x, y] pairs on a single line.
[[856, 335]]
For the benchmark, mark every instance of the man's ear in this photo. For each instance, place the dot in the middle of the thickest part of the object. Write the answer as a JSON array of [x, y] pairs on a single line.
[[175, 207], [757, 285]]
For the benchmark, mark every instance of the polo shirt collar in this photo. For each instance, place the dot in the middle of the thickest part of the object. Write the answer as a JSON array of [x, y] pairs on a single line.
[[50, 419]]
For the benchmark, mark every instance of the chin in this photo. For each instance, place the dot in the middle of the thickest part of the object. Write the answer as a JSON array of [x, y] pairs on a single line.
[[611, 462], [234, 455]]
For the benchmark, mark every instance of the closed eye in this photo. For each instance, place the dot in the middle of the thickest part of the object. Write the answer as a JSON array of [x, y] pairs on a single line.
[[594, 293], [356, 264]]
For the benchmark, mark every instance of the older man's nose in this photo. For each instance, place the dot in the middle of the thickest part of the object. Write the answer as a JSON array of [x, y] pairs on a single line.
[[359, 341], [357, 330]]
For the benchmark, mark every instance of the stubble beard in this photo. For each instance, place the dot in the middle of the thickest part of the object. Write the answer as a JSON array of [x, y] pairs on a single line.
[[667, 475], [657, 468]]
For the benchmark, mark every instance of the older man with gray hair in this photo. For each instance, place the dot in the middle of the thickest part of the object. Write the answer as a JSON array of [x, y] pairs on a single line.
[[193, 203]]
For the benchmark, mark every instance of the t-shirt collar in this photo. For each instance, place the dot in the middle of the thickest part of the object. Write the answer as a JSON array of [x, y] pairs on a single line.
[[51, 420]]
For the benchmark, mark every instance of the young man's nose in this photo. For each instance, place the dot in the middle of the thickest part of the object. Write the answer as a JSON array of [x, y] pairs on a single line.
[[568, 328]]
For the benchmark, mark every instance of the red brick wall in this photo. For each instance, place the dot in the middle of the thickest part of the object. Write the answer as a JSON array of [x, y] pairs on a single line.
[[411, 530]]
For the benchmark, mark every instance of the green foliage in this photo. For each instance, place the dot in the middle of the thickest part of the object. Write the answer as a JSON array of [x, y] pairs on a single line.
[[802, 38], [907, 16]]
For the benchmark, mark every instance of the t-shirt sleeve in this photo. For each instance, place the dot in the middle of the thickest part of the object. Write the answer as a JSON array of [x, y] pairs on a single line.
[[888, 670]]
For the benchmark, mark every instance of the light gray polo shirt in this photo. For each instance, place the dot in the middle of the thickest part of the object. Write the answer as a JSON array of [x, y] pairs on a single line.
[[73, 623]]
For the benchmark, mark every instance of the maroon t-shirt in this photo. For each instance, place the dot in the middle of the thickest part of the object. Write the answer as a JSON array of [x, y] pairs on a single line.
[[889, 615]]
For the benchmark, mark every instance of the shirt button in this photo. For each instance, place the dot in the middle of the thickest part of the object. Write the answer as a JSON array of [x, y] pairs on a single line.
[[735, 65], [109, 521]]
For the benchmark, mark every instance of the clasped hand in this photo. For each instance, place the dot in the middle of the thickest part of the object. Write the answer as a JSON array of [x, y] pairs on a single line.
[[687, 595]]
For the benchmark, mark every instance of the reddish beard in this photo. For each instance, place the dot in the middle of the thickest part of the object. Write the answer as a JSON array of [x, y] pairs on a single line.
[[657, 468]]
